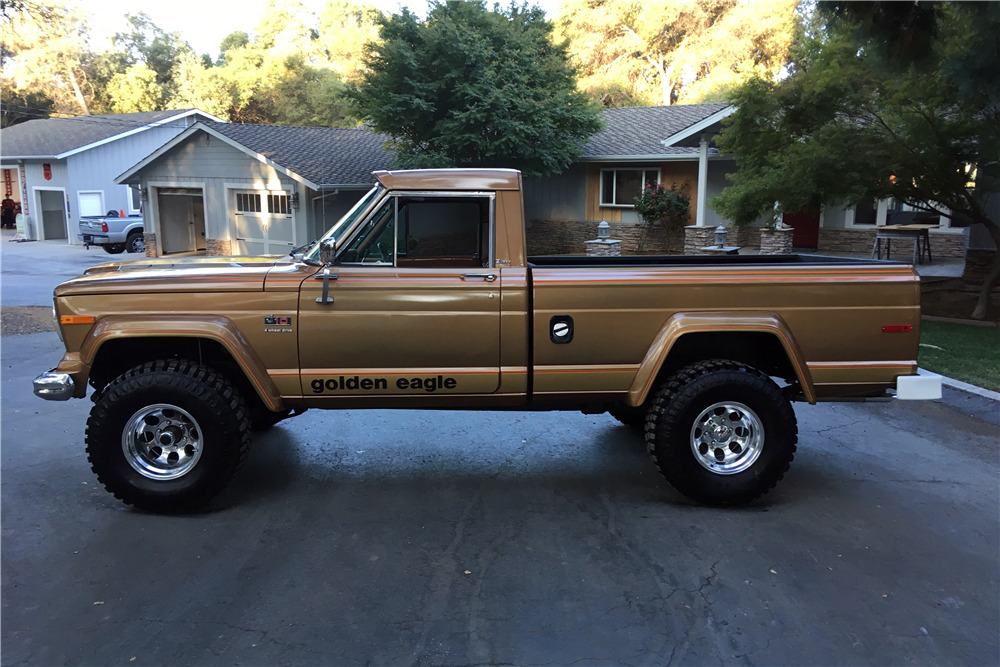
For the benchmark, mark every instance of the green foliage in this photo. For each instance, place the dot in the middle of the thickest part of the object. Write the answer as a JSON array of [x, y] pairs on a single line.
[[855, 121], [668, 209], [635, 53], [656, 203], [473, 87]]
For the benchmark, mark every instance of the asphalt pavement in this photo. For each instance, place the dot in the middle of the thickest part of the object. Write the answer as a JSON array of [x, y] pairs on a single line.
[[479, 538]]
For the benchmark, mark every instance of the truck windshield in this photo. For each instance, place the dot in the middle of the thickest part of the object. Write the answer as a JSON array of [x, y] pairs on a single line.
[[345, 223]]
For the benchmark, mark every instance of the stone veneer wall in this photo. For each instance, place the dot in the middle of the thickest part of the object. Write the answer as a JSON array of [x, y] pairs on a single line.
[[149, 239], [218, 247], [696, 238], [776, 241], [950, 246], [569, 237]]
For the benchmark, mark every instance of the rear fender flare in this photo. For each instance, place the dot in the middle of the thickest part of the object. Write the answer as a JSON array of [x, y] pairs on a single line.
[[680, 324]]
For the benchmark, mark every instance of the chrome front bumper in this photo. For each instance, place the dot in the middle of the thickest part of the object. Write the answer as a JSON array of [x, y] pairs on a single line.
[[54, 386]]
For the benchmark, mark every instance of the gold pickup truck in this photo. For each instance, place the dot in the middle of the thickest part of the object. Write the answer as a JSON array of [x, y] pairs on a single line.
[[422, 296]]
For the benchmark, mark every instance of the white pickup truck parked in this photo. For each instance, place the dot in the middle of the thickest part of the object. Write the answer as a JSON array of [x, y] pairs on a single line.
[[112, 232]]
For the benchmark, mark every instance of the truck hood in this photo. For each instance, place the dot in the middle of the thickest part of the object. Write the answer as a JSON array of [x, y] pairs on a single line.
[[188, 274]]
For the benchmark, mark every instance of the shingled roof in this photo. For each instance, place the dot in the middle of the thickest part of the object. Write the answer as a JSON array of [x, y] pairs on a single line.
[[321, 155], [57, 137], [641, 131]]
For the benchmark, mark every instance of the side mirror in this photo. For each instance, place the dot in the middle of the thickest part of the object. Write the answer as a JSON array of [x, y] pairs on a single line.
[[328, 251]]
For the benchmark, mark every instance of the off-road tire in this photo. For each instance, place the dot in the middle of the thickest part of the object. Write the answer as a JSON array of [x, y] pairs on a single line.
[[743, 408], [196, 414], [135, 243], [114, 248], [629, 416]]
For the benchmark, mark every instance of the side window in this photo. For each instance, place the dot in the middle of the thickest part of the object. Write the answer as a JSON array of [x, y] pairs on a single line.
[[425, 231], [443, 231]]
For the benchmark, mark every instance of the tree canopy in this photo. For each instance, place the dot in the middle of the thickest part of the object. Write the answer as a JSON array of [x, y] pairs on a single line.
[[882, 100], [636, 53], [291, 70], [472, 87]]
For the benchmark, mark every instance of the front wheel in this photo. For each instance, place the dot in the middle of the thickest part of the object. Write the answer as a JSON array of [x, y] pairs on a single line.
[[722, 433], [167, 436]]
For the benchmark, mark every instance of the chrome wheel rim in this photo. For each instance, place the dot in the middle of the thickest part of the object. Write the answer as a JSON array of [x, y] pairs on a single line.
[[162, 442], [137, 245], [727, 438]]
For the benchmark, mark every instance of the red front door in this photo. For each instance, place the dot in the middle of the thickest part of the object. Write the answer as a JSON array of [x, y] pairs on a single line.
[[805, 226]]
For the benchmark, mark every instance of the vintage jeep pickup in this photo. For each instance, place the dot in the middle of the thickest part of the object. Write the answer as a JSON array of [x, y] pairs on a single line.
[[422, 296]]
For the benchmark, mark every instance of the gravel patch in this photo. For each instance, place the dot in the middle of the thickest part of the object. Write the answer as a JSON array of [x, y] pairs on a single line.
[[18, 320]]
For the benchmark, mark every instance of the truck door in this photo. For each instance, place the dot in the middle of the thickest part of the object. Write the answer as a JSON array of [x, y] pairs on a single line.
[[414, 308]]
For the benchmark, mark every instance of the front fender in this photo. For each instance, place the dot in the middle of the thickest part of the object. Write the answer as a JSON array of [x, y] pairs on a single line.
[[216, 328], [707, 322]]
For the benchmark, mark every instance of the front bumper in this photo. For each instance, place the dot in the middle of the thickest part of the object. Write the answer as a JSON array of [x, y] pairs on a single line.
[[54, 386]]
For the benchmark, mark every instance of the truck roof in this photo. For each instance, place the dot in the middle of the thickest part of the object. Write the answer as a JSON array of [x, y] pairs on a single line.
[[450, 179]]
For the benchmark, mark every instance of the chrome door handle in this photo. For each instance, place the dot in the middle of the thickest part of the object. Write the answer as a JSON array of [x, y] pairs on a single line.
[[487, 277]]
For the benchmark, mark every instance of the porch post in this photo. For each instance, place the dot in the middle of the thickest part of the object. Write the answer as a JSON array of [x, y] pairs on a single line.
[[702, 197]]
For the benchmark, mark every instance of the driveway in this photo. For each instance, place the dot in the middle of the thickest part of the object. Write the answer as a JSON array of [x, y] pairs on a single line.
[[459, 538]]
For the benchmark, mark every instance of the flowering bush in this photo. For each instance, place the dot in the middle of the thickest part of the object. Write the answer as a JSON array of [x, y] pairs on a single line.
[[656, 203], [668, 207]]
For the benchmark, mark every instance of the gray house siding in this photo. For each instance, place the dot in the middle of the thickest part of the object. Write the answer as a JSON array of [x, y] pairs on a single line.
[[219, 171], [94, 170]]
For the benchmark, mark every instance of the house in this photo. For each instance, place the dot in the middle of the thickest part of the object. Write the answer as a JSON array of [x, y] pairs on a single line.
[[58, 169], [673, 145], [638, 145], [251, 189]]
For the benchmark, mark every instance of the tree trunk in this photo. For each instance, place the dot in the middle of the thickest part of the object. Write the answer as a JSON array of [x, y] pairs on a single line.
[[77, 92], [993, 277]]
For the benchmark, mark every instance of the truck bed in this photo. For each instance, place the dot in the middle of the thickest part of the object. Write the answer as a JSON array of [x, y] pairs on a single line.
[[580, 261]]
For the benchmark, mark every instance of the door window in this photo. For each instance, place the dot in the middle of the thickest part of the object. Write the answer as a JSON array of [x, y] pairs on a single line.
[[426, 231]]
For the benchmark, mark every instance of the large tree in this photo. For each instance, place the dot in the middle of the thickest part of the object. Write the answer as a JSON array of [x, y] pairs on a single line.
[[46, 55], [882, 100], [474, 87], [632, 52]]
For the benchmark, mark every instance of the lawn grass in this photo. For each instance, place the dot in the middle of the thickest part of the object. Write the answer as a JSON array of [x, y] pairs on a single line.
[[963, 352]]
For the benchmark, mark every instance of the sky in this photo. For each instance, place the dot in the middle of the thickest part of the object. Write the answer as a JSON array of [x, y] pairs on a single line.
[[204, 23]]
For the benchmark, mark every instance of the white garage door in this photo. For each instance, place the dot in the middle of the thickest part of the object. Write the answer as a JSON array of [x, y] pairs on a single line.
[[91, 203], [264, 223]]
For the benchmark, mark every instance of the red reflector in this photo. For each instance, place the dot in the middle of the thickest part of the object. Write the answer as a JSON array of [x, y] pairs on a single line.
[[897, 328]]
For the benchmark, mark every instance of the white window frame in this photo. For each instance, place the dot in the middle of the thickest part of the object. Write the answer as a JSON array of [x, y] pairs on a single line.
[[129, 190], [614, 195], [265, 198], [79, 205]]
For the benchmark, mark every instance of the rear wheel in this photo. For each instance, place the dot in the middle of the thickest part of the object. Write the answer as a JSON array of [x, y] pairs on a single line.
[[167, 436], [114, 248], [722, 433], [135, 242]]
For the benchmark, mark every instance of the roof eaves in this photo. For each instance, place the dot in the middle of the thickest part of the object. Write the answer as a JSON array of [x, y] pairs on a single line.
[[695, 128], [135, 130], [661, 157]]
